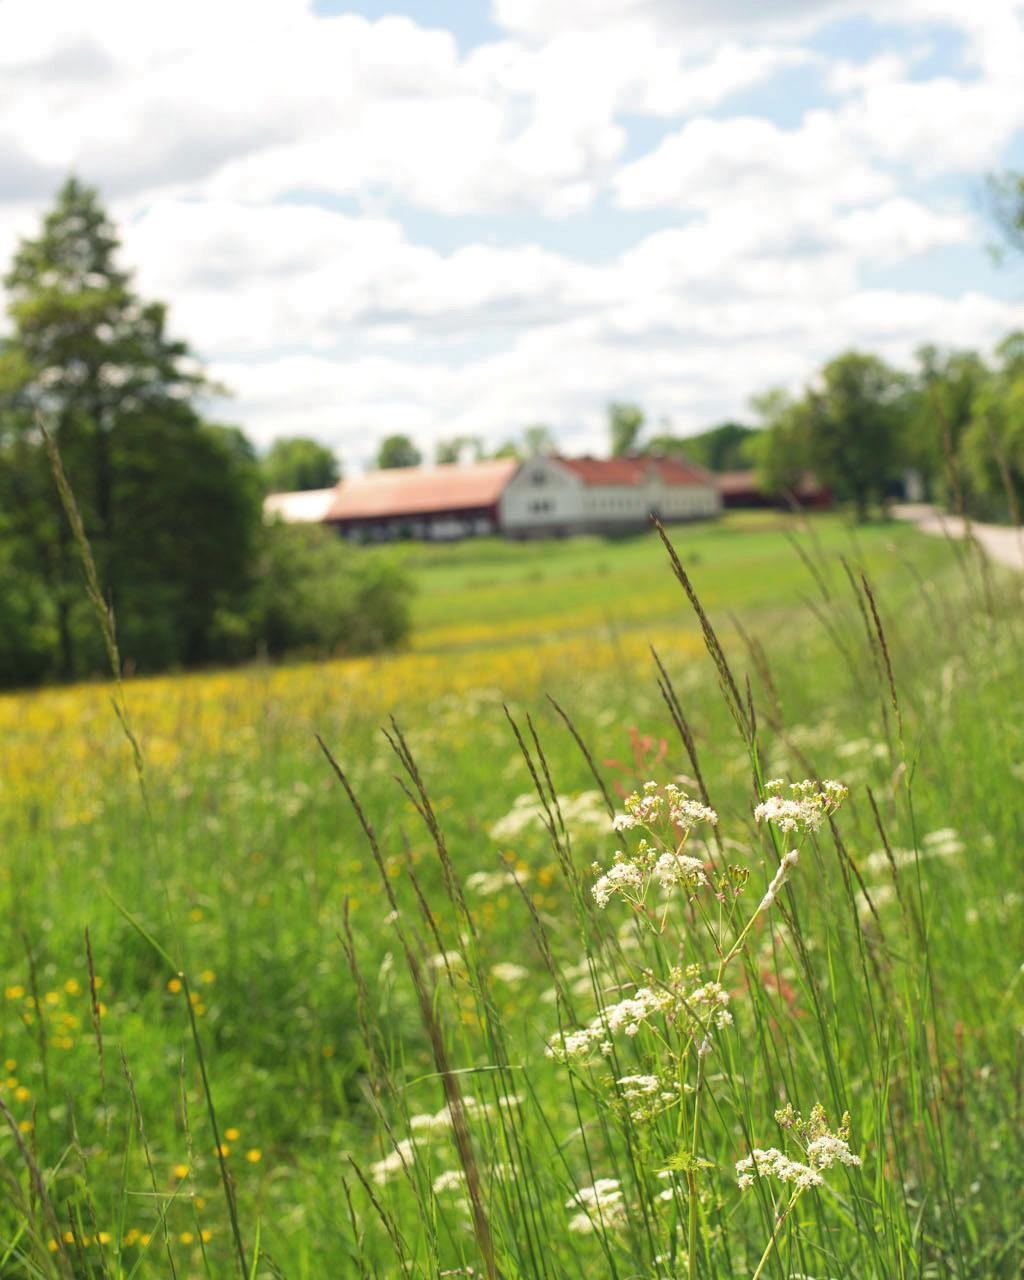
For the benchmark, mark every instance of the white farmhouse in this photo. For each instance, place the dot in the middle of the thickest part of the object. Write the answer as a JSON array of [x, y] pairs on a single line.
[[552, 496], [542, 497]]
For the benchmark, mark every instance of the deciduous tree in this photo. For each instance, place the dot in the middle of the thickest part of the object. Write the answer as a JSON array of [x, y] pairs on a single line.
[[296, 462], [397, 451]]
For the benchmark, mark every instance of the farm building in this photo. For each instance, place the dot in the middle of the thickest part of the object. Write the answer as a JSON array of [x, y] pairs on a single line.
[[544, 496], [308, 506], [743, 489], [434, 503], [553, 495]]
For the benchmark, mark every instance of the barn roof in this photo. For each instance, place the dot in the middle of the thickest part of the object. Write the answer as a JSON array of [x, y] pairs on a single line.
[[402, 491], [635, 471]]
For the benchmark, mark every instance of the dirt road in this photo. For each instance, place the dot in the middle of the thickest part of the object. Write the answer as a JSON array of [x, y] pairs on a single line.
[[1003, 543]]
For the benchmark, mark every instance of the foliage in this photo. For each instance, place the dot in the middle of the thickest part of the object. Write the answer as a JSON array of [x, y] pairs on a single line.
[[782, 449], [1006, 194], [171, 505], [992, 443], [315, 594], [727, 447], [458, 447], [294, 463], [537, 438], [856, 413], [509, 449], [625, 423], [398, 451]]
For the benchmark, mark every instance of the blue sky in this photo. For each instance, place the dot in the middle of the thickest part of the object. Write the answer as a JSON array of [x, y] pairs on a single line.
[[462, 217]]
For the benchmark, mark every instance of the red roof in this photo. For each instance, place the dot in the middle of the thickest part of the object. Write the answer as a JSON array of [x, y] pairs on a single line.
[[743, 482], [404, 491], [738, 482], [635, 471]]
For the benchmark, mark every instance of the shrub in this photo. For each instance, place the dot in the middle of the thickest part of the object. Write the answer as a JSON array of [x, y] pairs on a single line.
[[315, 594]]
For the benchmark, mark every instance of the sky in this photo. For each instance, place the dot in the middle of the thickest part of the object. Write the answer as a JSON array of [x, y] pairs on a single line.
[[458, 217]]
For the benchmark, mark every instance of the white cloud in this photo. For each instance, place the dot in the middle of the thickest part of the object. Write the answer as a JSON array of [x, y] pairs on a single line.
[[253, 101], [564, 375], [227, 136], [754, 163], [700, 19]]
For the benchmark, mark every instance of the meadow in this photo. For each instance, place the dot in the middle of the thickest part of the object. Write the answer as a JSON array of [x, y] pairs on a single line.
[[251, 1029]]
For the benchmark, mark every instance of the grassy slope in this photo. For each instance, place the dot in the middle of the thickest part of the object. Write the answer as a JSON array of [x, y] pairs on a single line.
[[255, 853]]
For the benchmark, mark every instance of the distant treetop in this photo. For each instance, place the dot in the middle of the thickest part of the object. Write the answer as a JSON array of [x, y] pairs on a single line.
[[398, 451], [296, 462]]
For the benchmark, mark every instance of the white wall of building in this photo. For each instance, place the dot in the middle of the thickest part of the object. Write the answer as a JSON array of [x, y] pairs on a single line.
[[545, 496], [541, 495]]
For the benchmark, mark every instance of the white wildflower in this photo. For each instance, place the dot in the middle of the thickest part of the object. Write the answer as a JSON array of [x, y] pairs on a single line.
[[685, 812], [678, 868], [601, 1205], [632, 876], [586, 810], [394, 1162], [450, 1180], [509, 972], [707, 1006], [773, 1163], [626, 1016], [710, 1003], [488, 882], [427, 1123], [828, 1150], [627, 878], [646, 809], [941, 836], [638, 1086], [806, 808]]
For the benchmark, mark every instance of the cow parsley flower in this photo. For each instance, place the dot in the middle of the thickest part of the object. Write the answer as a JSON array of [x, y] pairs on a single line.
[[807, 806], [647, 1096], [823, 1148], [632, 876], [394, 1162], [449, 1180], [648, 807], [773, 1163], [703, 1008], [602, 1205]]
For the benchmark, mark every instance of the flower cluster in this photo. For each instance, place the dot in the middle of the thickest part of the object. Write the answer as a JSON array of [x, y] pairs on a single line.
[[627, 1016], [823, 1149], [646, 1096], [805, 809], [773, 1163], [600, 1205], [647, 808], [426, 1126], [586, 810], [632, 876], [706, 1006]]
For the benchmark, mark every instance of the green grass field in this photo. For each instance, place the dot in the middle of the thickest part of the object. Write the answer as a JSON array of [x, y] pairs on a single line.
[[374, 1122]]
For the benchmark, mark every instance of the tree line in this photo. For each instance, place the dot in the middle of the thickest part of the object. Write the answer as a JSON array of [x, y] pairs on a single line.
[[952, 427], [171, 502]]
